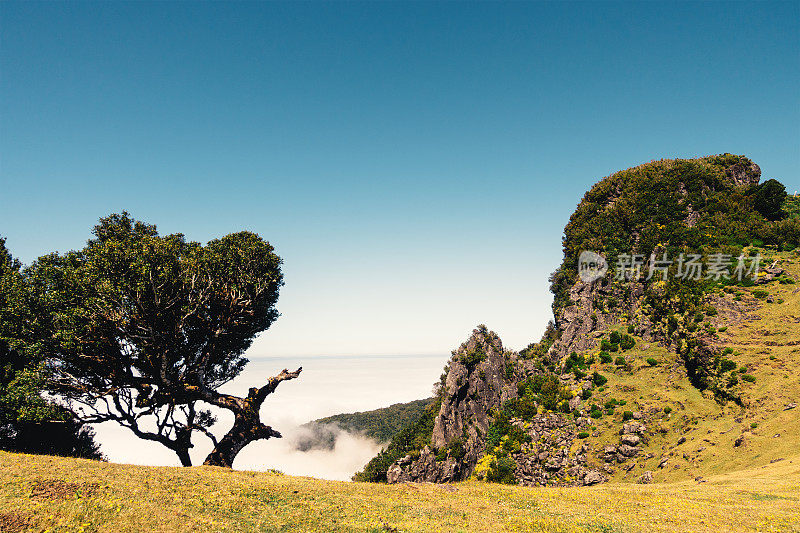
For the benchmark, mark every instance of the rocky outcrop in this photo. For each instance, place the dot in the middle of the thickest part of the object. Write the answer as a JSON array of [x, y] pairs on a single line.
[[548, 459], [744, 173], [479, 378]]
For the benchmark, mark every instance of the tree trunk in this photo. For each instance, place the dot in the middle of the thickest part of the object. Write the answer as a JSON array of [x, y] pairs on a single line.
[[183, 455], [247, 425], [244, 431]]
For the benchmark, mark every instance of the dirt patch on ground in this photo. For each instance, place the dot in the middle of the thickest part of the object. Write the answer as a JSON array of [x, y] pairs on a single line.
[[56, 489], [14, 522]]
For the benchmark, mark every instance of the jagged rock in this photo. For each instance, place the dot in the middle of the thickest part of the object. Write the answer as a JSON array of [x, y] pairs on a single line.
[[593, 477], [744, 174], [630, 439], [645, 478], [739, 440], [681, 440], [628, 451], [475, 384], [790, 406], [663, 462], [575, 403], [394, 473], [633, 427], [637, 415]]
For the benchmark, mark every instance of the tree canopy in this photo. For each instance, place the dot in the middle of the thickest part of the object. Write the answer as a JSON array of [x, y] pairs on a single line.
[[143, 329], [29, 422]]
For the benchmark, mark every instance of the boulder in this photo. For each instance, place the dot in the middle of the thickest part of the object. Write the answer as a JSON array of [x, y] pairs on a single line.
[[630, 439], [593, 477]]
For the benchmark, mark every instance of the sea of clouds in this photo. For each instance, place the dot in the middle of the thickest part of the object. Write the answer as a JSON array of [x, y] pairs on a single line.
[[328, 385]]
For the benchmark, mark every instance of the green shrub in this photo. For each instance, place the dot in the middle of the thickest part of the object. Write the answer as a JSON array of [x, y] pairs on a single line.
[[711, 310], [615, 347], [599, 379], [578, 373], [605, 345], [502, 471], [723, 329], [630, 328], [754, 425], [667, 410], [619, 361], [473, 357], [586, 394], [627, 342], [726, 364], [760, 294], [605, 357], [627, 415], [583, 434], [652, 361], [749, 378], [727, 350], [615, 337]]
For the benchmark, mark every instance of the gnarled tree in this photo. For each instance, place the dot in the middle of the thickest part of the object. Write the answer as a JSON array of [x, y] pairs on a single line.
[[146, 328]]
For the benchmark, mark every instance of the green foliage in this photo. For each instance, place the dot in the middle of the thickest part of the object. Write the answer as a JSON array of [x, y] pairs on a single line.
[[760, 294], [410, 439], [502, 471], [619, 361], [627, 415], [583, 434], [379, 424], [30, 423], [769, 199], [615, 337], [667, 410], [627, 342], [605, 345], [726, 365], [630, 328], [652, 361], [749, 378], [754, 425], [523, 407], [157, 318], [598, 379], [472, 357], [605, 357], [575, 361]]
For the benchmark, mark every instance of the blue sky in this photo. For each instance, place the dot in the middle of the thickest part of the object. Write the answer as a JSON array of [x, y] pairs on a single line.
[[413, 163]]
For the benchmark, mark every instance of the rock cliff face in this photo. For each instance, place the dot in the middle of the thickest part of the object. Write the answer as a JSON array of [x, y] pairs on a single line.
[[479, 379]]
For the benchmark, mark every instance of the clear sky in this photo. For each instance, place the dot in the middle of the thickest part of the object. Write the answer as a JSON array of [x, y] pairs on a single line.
[[413, 163]]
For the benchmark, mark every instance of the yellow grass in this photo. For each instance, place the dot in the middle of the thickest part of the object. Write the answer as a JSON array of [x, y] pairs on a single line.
[[124, 498]]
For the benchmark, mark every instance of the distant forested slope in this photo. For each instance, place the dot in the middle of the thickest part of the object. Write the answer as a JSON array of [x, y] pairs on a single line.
[[379, 424]]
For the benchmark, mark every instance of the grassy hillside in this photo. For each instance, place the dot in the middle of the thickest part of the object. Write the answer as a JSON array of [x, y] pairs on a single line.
[[42, 493], [695, 434]]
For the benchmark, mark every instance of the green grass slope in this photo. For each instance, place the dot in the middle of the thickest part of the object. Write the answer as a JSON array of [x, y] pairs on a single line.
[[690, 434], [42, 493]]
